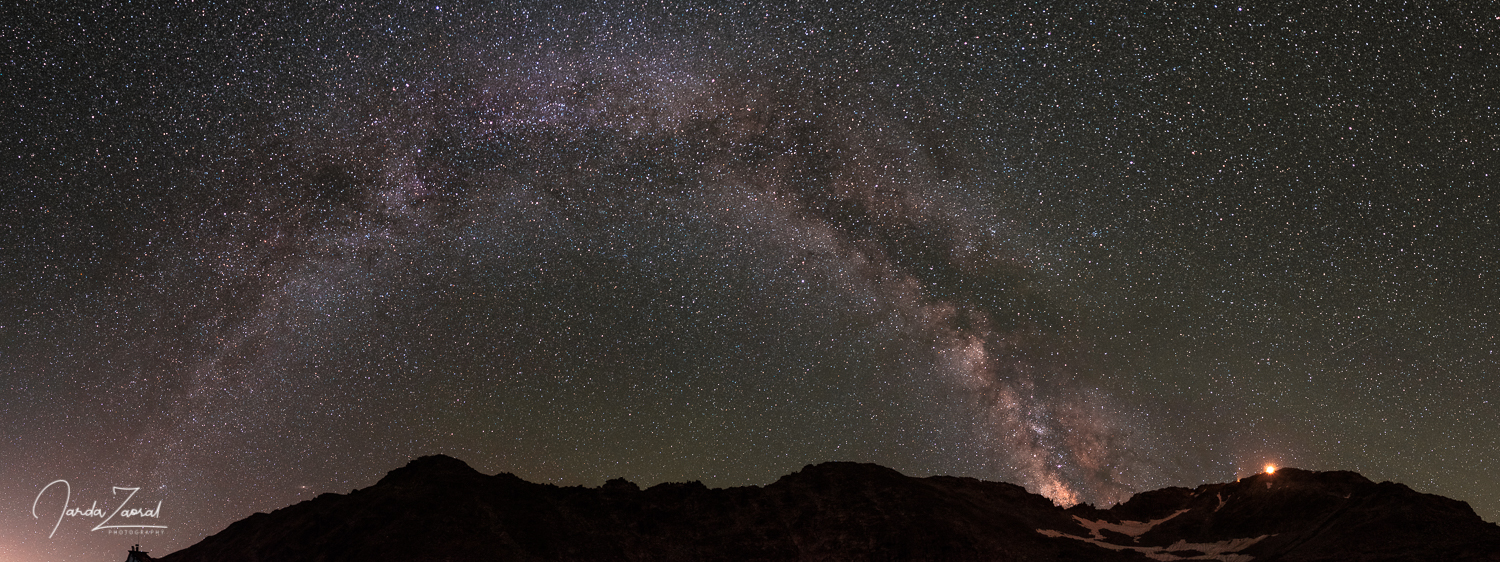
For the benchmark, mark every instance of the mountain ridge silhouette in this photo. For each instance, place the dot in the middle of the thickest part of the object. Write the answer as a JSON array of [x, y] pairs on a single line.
[[438, 508]]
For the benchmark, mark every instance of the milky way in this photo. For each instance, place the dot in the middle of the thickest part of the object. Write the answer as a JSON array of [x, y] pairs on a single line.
[[261, 253]]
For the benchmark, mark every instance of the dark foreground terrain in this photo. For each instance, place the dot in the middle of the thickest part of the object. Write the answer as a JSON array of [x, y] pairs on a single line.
[[438, 508]]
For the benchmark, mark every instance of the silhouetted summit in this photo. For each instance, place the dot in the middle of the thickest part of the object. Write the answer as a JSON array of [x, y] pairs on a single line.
[[438, 508], [430, 469], [1297, 514]]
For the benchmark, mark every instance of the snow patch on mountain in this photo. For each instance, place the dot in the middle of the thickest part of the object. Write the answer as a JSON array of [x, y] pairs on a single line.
[[1223, 551]]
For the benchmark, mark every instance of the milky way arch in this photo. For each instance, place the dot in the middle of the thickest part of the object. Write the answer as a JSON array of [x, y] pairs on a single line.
[[552, 238]]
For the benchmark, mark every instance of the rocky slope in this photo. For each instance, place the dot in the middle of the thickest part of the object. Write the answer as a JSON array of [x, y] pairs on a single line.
[[438, 508]]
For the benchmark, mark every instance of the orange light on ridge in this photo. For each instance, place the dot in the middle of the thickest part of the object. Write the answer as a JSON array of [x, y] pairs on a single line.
[[1270, 469]]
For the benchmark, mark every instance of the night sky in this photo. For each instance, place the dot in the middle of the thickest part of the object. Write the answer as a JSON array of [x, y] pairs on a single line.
[[255, 252]]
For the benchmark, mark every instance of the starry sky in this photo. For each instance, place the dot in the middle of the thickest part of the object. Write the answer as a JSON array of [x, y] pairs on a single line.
[[255, 252]]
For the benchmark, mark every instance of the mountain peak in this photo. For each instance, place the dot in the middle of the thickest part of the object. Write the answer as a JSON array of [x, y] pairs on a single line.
[[429, 468]]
